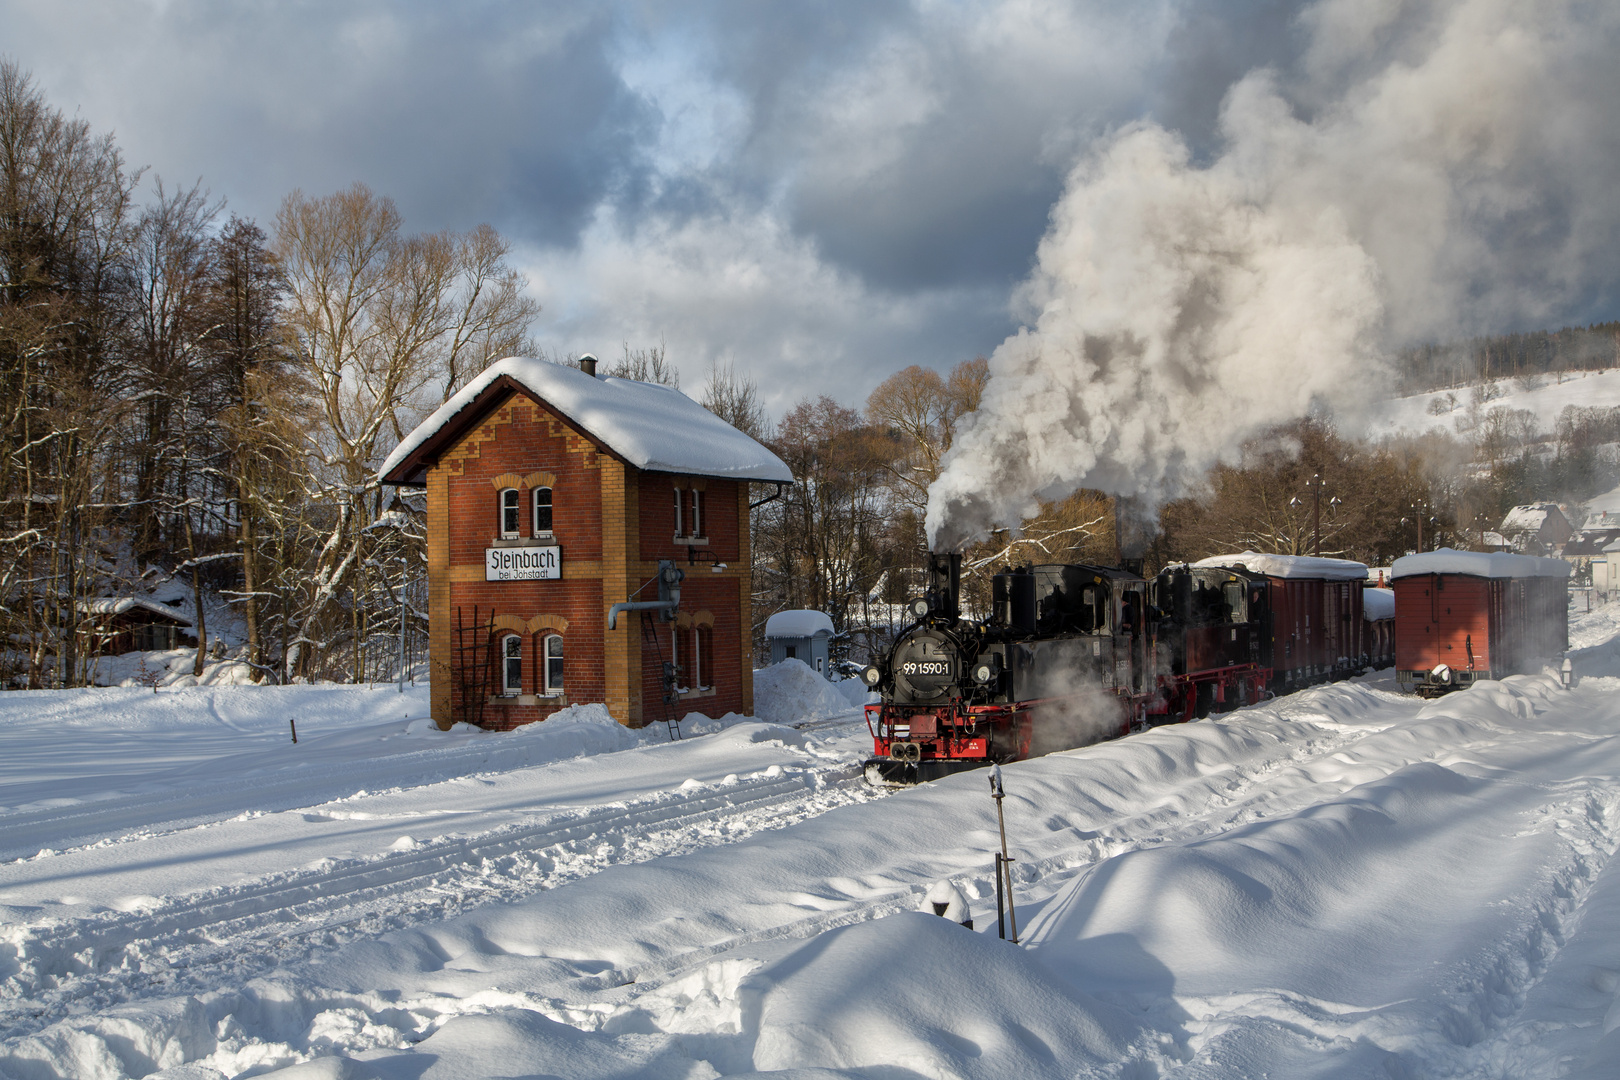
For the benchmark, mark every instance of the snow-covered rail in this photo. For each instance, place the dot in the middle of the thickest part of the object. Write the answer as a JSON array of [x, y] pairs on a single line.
[[187, 944]]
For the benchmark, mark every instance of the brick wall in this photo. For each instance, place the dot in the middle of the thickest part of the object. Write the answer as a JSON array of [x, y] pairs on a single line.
[[613, 523]]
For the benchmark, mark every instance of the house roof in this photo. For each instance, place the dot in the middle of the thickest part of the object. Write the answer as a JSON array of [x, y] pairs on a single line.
[[1529, 518], [1590, 542], [118, 605], [1289, 566], [652, 427]]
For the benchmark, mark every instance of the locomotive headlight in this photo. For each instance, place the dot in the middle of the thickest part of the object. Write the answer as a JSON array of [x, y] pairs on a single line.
[[982, 673], [919, 608], [870, 675]]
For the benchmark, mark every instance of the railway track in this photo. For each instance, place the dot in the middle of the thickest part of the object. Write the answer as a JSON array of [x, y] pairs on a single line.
[[197, 943]]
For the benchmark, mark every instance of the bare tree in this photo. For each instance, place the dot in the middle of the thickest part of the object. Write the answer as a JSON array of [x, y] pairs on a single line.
[[735, 399], [646, 365], [377, 317]]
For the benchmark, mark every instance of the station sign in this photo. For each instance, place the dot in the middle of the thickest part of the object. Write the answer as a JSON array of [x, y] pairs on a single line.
[[523, 563]]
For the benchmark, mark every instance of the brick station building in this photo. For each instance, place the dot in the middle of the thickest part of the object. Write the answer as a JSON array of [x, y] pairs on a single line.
[[553, 495]]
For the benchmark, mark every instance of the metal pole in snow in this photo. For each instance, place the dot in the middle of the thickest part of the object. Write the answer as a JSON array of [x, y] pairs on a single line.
[[1001, 903], [1006, 860], [294, 725]]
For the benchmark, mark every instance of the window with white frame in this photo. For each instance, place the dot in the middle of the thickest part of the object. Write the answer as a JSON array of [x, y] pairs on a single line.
[[689, 514], [694, 519], [552, 652], [511, 665], [542, 510], [507, 513], [695, 646]]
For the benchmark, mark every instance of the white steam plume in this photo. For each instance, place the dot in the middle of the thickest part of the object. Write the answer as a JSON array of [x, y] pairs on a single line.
[[1444, 177]]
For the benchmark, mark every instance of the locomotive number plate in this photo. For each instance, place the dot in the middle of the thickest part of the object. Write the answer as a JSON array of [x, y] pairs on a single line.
[[925, 667]]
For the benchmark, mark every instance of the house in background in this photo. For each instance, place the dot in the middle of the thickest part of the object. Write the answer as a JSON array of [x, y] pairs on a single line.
[[1536, 529], [801, 635], [114, 625], [587, 541]]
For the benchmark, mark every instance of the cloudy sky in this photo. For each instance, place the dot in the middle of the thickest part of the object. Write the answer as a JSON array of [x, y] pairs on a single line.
[[821, 193]]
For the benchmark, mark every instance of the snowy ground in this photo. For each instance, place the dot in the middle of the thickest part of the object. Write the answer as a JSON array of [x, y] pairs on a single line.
[[1345, 882]]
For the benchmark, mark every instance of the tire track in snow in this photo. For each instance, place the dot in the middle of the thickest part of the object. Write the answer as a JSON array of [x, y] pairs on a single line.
[[204, 941]]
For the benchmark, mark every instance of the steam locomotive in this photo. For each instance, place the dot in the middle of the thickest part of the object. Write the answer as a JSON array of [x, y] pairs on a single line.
[[1073, 654]]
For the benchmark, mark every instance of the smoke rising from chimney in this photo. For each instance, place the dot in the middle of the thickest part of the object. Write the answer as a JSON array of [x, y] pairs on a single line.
[[1430, 168]]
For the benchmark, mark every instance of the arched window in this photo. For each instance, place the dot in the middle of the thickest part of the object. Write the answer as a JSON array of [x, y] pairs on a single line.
[[542, 510], [680, 499], [511, 665], [552, 651], [507, 513]]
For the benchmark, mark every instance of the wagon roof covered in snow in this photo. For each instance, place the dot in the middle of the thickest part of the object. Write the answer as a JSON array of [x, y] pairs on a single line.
[[1377, 604], [652, 427], [1289, 566], [1486, 564], [802, 623]]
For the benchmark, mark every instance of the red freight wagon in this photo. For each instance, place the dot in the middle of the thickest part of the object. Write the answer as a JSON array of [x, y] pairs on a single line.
[[1462, 616], [1311, 627]]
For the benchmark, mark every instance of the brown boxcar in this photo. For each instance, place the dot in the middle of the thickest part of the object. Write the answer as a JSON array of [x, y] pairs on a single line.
[[1462, 616], [1311, 626]]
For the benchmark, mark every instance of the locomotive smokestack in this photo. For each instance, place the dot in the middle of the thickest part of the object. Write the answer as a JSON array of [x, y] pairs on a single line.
[[1131, 534], [945, 583]]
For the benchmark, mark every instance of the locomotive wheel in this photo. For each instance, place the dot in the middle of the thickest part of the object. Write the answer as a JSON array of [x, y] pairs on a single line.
[[1206, 699]]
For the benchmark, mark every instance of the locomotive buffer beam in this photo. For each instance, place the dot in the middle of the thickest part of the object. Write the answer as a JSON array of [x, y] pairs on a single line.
[[893, 772]]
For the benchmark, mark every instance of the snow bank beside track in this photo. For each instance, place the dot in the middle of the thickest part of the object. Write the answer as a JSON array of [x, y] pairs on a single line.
[[1345, 881]]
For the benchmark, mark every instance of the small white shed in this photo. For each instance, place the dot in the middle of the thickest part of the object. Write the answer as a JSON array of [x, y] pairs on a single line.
[[800, 635], [1606, 570]]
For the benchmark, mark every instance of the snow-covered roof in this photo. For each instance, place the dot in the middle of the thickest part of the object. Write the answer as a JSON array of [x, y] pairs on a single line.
[[1378, 603], [117, 605], [1486, 564], [653, 427], [1603, 519], [1289, 566], [1528, 518], [802, 623]]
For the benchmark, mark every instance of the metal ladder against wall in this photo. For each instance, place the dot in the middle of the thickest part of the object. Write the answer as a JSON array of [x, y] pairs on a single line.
[[649, 632], [474, 655]]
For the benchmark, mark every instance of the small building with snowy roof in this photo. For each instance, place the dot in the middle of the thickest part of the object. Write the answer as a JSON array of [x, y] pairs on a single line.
[[801, 635], [114, 625], [1535, 529], [587, 541]]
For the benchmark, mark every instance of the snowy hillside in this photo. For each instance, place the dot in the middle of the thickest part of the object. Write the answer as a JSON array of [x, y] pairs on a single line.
[[1413, 416], [1343, 882]]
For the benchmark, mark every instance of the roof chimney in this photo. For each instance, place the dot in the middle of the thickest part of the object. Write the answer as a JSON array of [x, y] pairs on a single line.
[[587, 364]]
